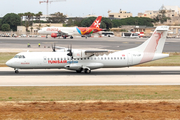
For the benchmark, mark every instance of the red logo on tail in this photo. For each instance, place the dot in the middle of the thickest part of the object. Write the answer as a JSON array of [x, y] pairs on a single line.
[[97, 22]]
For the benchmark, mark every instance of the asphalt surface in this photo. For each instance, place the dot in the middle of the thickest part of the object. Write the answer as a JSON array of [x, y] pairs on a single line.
[[100, 77], [112, 43], [95, 72]]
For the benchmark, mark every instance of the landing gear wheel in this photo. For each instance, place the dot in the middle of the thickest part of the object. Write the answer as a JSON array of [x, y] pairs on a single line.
[[64, 37], [78, 71], [71, 37], [87, 71], [16, 71]]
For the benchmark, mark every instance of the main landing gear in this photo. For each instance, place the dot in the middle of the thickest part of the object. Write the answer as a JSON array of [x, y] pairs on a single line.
[[87, 71], [16, 71], [71, 37], [78, 71]]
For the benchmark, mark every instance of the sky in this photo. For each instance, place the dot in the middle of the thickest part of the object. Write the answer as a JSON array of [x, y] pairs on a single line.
[[79, 8]]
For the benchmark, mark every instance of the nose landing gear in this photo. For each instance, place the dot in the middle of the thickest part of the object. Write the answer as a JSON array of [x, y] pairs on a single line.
[[16, 71]]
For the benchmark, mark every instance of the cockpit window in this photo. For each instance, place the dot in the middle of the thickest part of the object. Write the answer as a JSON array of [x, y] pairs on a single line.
[[19, 56]]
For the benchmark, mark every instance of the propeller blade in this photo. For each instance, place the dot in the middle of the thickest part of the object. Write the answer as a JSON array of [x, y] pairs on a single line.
[[53, 47]]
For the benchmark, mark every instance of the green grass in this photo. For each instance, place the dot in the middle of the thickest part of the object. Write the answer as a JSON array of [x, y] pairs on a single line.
[[89, 93], [173, 60], [4, 57]]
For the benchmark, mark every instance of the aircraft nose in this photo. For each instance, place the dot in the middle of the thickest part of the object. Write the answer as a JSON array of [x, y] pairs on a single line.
[[9, 63]]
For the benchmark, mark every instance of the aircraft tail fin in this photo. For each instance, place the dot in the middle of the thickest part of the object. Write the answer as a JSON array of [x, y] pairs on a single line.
[[97, 22], [155, 43]]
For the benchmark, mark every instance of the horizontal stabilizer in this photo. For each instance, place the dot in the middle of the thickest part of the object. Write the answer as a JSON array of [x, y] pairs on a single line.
[[162, 28]]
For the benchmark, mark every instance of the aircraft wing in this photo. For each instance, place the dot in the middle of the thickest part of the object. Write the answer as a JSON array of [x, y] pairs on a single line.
[[64, 33], [96, 51]]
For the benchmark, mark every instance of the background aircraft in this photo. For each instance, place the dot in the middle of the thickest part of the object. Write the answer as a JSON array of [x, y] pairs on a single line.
[[70, 31], [87, 60]]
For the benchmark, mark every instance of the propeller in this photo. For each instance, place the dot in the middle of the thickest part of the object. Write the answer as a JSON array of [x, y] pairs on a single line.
[[70, 51], [54, 48]]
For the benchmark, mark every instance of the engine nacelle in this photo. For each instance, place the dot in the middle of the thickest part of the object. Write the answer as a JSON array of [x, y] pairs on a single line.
[[54, 35], [80, 54]]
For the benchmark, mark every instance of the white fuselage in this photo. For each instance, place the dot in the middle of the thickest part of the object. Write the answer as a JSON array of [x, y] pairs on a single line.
[[50, 60], [66, 30]]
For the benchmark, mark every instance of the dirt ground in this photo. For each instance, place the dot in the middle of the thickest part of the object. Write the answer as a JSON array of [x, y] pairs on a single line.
[[159, 110]]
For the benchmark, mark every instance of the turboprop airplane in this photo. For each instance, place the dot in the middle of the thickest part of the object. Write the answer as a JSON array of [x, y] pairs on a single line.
[[87, 60], [70, 31]]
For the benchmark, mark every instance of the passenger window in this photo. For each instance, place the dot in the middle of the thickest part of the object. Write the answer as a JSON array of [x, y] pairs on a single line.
[[78, 59], [108, 58], [115, 58], [102, 58], [54, 58], [61, 58], [88, 58], [51, 58], [112, 58], [105, 58], [91, 58], [44, 58], [121, 58], [81, 58], [124, 58], [118, 58], [94, 58], [58, 59], [74, 58], [64, 58], [84, 58]]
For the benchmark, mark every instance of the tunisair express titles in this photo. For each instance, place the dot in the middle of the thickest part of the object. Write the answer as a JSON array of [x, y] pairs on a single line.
[[60, 61]]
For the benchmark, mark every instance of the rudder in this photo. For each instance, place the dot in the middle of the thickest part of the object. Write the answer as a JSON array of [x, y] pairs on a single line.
[[97, 22]]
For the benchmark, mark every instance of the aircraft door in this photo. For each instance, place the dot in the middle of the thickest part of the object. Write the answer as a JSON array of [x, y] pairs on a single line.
[[130, 59], [45, 59]]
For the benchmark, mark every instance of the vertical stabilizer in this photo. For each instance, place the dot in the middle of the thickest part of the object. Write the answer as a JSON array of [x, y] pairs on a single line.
[[97, 22], [155, 44]]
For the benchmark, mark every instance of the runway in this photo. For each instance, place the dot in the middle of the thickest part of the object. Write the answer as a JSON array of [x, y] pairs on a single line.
[[100, 77], [112, 43]]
